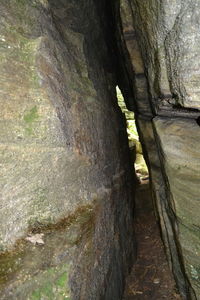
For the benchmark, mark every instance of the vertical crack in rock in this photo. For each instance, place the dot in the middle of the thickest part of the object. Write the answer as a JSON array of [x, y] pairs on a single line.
[[66, 185]]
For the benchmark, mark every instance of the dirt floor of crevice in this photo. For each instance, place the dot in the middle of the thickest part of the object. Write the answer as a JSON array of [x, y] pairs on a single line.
[[150, 278]]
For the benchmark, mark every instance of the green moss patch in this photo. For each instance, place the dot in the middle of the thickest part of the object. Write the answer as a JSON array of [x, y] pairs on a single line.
[[55, 285], [62, 280], [31, 116]]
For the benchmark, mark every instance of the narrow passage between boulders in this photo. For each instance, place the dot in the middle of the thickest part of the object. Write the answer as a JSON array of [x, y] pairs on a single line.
[[151, 278]]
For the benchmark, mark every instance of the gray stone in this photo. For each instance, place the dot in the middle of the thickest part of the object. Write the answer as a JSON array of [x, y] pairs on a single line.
[[165, 35], [172, 34], [181, 160], [65, 163]]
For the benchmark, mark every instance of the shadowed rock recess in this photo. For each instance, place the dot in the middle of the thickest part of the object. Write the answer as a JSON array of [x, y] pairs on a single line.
[[67, 183]]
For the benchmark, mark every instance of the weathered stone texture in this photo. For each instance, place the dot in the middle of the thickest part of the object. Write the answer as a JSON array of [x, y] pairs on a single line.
[[164, 38], [140, 82], [181, 160], [64, 153], [171, 30]]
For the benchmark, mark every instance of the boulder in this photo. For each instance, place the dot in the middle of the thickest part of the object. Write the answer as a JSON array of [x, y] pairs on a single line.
[[67, 190]]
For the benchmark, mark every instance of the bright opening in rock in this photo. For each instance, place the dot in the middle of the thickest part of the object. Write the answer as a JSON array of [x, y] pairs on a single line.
[[133, 138]]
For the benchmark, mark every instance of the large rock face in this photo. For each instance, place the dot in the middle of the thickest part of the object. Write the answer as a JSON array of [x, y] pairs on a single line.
[[65, 178], [66, 188], [163, 41]]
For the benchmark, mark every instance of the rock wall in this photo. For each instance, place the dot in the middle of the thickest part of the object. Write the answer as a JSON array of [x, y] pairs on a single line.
[[163, 42], [66, 186]]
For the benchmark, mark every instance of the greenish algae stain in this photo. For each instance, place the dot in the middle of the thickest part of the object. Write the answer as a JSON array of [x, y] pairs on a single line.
[[19, 48], [9, 264], [62, 280], [36, 295], [32, 115], [58, 289], [51, 282], [46, 290], [29, 119]]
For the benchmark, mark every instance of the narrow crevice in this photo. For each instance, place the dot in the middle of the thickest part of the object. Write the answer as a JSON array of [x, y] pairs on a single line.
[[198, 121], [150, 147], [70, 180]]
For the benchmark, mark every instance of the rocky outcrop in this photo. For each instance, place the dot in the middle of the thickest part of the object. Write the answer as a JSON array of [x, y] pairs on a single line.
[[66, 184], [163, 42]]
